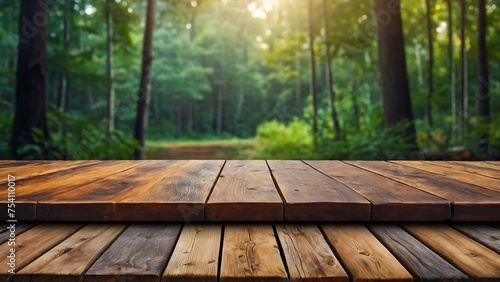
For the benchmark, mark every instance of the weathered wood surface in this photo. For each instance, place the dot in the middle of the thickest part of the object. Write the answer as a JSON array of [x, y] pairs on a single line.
[[480, 168], [18, 228], [245, 191], [484, 234], [391, 200], [311, 195]]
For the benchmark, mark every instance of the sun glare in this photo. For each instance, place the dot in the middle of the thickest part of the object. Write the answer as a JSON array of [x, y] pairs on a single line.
[[260, 9]]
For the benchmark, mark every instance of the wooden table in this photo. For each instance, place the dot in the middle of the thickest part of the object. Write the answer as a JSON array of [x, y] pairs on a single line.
[[252, 191]]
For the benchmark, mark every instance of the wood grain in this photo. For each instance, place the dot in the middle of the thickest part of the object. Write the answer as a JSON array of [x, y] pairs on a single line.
[[391, 200], [68, 260], [470, 202], [420, 261], [245, 191], [364, 257], [141, 252], [312, 196], [32, 169], [480, 168], [484, 234], [19, 228], [196, 254], [308, 256], [250, 253], [474, 259]]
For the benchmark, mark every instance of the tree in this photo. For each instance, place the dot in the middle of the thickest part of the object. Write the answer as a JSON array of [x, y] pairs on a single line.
[[451, 65], [463, 66], [393, 75], [141, 122], [63, 82], [110, 64], [31, 103], [430, 74], [312, 85], [483, 79]]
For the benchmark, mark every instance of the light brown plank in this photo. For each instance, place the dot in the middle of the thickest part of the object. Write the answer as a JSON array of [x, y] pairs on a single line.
[[474, 259], [470, 202], [250, 253], [364, 257], [196, 254], [24, 170], [179, 196], [391, 200], [140, 253], [245, 191], [480, 168], [307, 254], [68, 260], [484, 234], [33, 243], [19, 228], [420, 261], [312, 196]]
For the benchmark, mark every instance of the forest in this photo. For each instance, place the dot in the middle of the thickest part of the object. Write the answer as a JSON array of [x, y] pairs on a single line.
[[276, 79]]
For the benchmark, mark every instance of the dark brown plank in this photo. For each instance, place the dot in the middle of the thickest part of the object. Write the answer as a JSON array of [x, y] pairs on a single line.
[[245, 191], [17, 228], [312, 196], [139, 254], [179, 196], [391, 200], [484, 234], [470, 202], [419, 260], [480, 168]]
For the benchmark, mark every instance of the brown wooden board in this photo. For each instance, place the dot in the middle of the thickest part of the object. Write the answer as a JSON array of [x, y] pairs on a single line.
[[391, 200], [14, 229], [480, 168], [312, 196], [245, 191], [474, 259], [308, 256], [363, 256], [140, 253], [250, 253], [470, 202], [68, 260], [484, 234], [420, 261], [179, 196], [33, 169], [196, 254]]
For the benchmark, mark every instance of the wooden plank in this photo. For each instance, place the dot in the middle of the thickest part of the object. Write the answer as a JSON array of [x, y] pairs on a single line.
[[23, 170], [480, 168], [486, 182], [180, 196], [33, 243], [250, 253], [18, 228], [420, 261], [196, 254], [484, 234], [363, 256], [68, 260], [391, 200], [245, 191], [308, 256], [141, 252], [474, 259], [470, 202], [312, 196]]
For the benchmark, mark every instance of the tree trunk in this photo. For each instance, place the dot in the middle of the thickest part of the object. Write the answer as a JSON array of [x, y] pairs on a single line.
[[393, 74], [141, 123], [451, 65], [483, 79], [31, 102], [463, 93], [110, 71], [63, 81], [329, 76], [312, 86], [354, 98], [430, 74]]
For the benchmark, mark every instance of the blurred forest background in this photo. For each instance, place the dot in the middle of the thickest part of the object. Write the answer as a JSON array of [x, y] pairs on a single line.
[[315, 79]]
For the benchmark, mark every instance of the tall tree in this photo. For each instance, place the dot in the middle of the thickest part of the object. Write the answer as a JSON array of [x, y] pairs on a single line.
[[141, 122], [430, 74], [63, 80], [483, 79], [329, 78], [31, 102], [463, 66], [393, 74], [312, 59], [451, 65], [110, 66]]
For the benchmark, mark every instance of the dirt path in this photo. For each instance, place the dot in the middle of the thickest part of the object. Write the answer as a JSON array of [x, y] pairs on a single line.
[[201, 151]]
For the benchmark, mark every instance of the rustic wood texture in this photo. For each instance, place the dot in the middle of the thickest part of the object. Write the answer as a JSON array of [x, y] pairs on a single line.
[[180, 196], [474, 259], [33, 243], [32, 169], [196, 254], [245, 191], [483, 181], [250, 253], [19, 228], [308, 256], [312, 196], [484, 234], [364, 257], [141, 252], [471, 167], [420, 261], [391, 200], [68, 260], [470, 202]]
